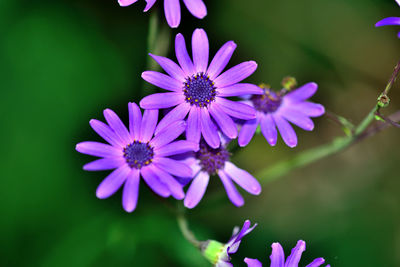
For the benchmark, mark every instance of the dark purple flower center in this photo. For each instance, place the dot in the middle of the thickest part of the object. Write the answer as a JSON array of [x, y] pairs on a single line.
[[138, 154], [199, 90], [211, 159], [268, 102]]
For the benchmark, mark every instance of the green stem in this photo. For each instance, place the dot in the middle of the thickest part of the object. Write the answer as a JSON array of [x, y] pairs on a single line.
[[186, 232]]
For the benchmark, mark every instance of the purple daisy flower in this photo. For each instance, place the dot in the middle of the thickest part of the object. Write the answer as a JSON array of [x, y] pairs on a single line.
[[274, 110], [390, 21], [199, 89], [136, 153], [172, 9], [210, 161], [278, 257]]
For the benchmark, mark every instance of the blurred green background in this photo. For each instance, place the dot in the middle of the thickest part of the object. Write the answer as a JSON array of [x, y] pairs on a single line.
[[63, 62]]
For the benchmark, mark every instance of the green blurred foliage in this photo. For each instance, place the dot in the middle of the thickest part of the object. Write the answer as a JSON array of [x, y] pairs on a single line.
[[63, 62]]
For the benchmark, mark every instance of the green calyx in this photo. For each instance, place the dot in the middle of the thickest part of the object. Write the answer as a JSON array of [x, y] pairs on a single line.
[[212, 250]]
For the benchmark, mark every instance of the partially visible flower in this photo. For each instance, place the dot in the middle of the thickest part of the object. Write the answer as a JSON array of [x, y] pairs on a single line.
[[210, 161], [219, 254], [173, 9], [200, 90], [276, 109], [134, 153], [390, 21], [278, 257]]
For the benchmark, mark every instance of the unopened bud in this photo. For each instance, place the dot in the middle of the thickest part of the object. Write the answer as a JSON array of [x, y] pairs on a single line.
[[212, 250], [383, 100], [289, 83]]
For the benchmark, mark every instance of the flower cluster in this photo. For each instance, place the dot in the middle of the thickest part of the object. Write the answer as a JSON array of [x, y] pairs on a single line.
[[390, 21]]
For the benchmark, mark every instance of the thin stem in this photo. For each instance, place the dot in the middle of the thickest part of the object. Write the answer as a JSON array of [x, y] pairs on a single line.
[[186, 232]]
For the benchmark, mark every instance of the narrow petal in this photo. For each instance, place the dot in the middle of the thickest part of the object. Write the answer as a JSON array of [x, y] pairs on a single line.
[[240, 89], [183, 56], [236, 109], [232, 192], [277, 256], [236, 74], [294, 257], [169, 134], [243, 178], [303, 93], [177, 147], [388, 21], [316, 263], [298, 119], [247, 132], [208, 129], [221, 59], [170, 67], [117, 125], [286, 130], [149, 4], [252, 262], [135, 120], [196, 7], [163, 81], [398, 2], [154, 182], [196, 190], [173, 185], [224, 122], [308, 108], [234, 242], [113, 182], [178, 113], [126, 2], [162, 100], [106, 133], [104, 164], [200, 49], [98, 149], [173, 167], [148, 125], [172, 11], [268, 129], [130, 192], [193, 131]]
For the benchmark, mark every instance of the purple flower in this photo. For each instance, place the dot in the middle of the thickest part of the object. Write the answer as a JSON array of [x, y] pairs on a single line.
[[209, 161], [173, 9], [136, 153], [390, 21], [278, 257], [274, 110], [199, 89]]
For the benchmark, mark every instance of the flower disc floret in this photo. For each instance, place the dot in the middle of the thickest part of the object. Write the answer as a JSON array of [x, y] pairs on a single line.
[[138, 154], [267, 102], [199, 90], [212, 159]]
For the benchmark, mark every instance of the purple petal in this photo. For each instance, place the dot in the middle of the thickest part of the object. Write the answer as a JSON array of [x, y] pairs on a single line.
[[247, 132], [126, 2], [224, 122], [172, 11], [236, 74], [196, 7], [388, 21], [237, 237], [286, 131], [196, 190], [130, 192], [268, 129], [98, 149], [295, 256], [148, 125], [231, 190], [193, 131], [113, 182], [104, 164], [149, 4], [135, 120], [236, 109], [298, 119], [170, 67], [163, 81], [178, 113], [277, 256], [106, 133], [162, 100], [252, 262], [117, 125], [303, 93], [240, 89], [154, 182], [208, 129], [222, 263], [169, 134], [308, 108], [183, 56], [173, 167], [221, 59], [316, 263], [178, 147], [200, 50], [243, 178], [173, 185]]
